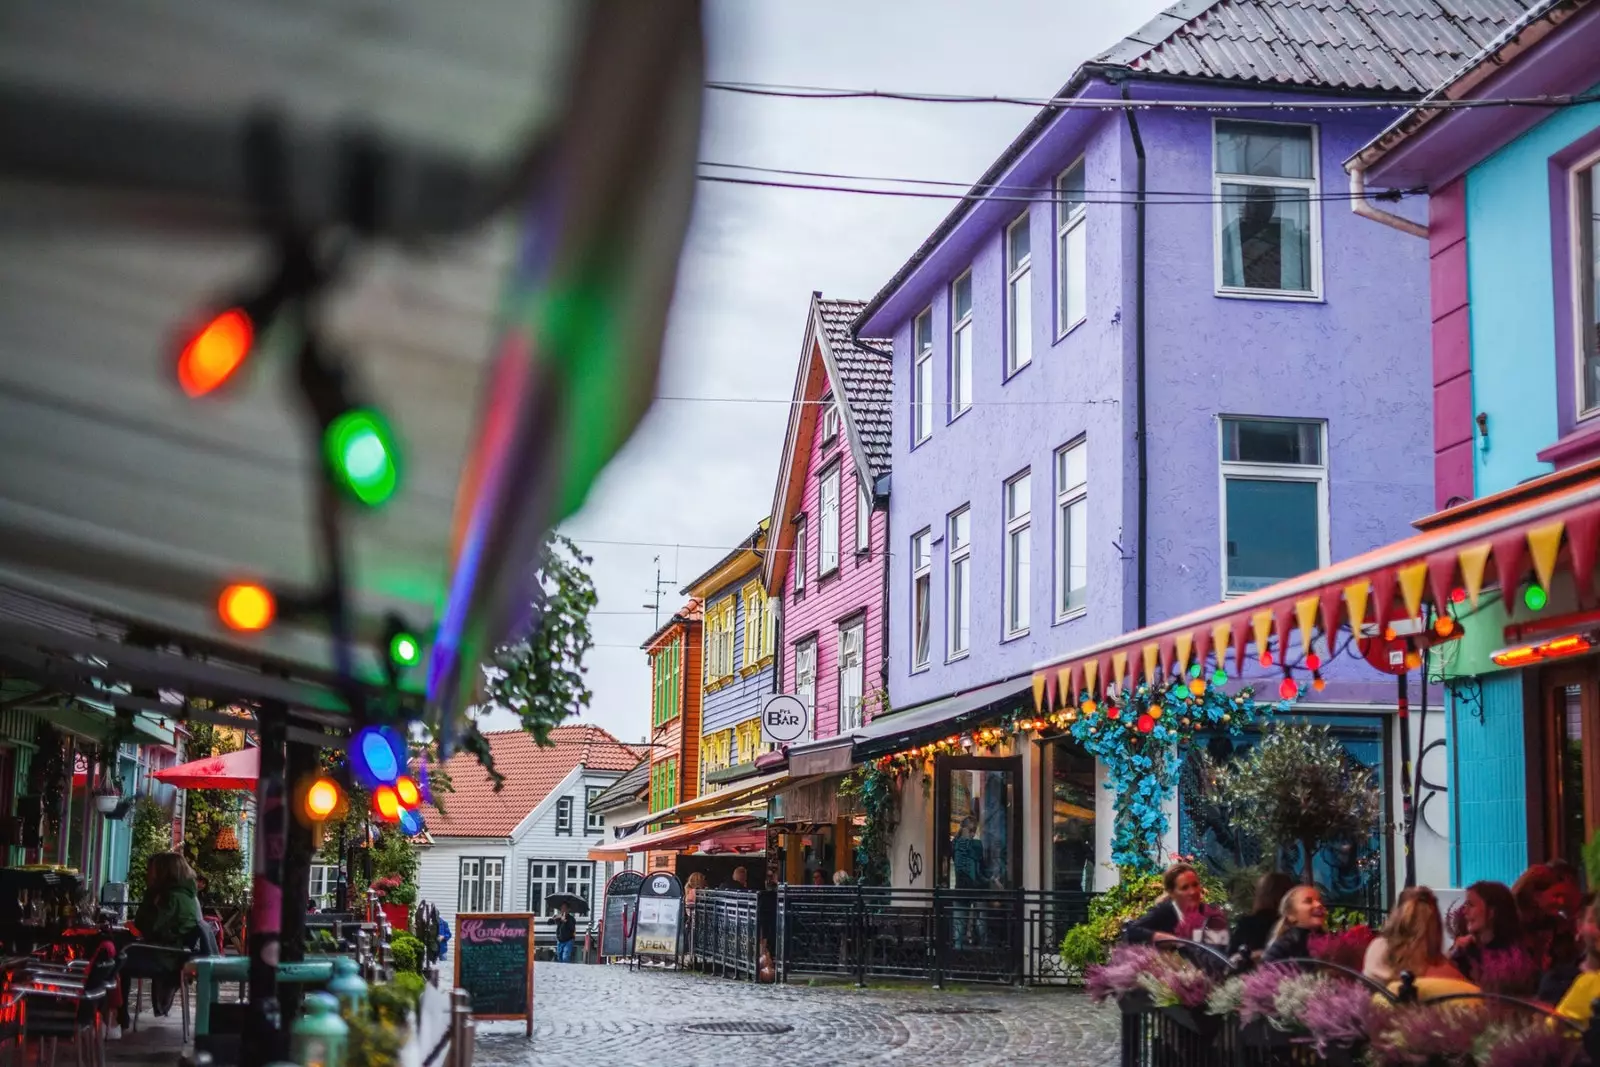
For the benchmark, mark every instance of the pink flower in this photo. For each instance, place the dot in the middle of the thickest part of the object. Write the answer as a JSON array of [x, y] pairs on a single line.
[[1342, 1013], [1348, 948], [1533, 1046], [1260, 997], [1507, 970], [1121, 974], [1421, 1034]]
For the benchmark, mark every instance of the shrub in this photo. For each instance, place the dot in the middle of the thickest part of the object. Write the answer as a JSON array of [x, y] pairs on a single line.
[[152, 833], [393, 1001], [411, 986], [408, 953]]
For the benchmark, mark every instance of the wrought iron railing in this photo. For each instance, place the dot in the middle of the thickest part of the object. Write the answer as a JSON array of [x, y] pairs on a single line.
[[724, 932]]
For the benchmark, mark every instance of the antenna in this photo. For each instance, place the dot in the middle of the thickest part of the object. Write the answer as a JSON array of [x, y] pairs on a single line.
[[654, 603]]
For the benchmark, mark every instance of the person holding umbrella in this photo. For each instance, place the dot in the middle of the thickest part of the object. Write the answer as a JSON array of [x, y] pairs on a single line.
[[566, 923]]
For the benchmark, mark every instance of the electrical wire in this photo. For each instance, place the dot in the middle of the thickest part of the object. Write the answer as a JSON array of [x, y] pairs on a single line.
[[975, 403], [1067, 103]]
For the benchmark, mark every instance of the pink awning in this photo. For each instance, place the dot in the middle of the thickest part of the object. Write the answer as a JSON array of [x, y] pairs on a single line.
[[231, 770]]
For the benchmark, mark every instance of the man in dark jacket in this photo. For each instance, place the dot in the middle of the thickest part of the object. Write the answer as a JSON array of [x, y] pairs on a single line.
[[566, 935]]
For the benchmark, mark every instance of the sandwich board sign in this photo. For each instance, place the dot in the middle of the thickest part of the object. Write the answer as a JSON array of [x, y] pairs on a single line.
[[658, 918]]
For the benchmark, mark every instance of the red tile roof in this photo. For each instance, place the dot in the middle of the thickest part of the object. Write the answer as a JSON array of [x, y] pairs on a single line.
[[474, 809]]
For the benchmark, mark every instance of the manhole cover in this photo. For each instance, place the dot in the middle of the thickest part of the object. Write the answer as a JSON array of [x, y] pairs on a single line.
[[738, 1029], [952, 1011]]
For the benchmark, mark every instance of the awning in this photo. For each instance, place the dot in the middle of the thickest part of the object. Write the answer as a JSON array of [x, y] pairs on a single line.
[[679, 837], [749, 791], [1529, 531], [922, 723], [833, 755], [231, 770], [608, 855]]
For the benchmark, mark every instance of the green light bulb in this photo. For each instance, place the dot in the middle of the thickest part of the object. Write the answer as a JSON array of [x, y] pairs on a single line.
[[1535, 597], [1194, 671], [1219, 677], [361, 453], [405, 650]]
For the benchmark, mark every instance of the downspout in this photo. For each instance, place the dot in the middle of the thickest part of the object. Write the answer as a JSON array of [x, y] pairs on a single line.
[[1368, 210], [883, 612], [1141, 425]]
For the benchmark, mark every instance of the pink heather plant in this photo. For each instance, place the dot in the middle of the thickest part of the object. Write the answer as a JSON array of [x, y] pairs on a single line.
[[1184, 986], [1348, 948], [1419, 1035], [1259, 999], [1535, 1045], [1510, 971], [1121, 974], [1342, 1013]]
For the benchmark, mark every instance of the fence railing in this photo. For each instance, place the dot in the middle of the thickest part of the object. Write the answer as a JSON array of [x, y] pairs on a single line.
[[724, 935]]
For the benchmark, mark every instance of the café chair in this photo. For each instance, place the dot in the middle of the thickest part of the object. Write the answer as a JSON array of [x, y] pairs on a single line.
[[70, 1000]]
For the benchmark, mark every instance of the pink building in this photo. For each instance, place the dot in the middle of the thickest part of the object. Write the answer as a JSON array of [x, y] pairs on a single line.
[[830, 526]]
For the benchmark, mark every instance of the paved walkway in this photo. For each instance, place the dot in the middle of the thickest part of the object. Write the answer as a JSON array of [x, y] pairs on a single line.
[[593, 1016]]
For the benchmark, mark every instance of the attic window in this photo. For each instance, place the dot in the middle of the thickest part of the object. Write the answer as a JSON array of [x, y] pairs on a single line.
[[564, 816], [830, 420]]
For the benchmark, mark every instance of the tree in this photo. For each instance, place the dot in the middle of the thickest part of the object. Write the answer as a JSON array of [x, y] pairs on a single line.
[[541, 677], [1300, 787], [207, 812]]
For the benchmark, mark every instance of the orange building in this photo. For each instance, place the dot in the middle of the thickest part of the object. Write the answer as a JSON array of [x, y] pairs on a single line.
[[674, 652]]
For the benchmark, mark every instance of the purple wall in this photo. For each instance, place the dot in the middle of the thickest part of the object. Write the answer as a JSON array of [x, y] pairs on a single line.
[[1360, 359]]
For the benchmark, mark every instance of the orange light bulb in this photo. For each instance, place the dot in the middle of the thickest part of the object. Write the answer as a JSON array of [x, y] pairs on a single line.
[[322, 798], [214, 353], [406, 789], [247, 607], [386, 802]]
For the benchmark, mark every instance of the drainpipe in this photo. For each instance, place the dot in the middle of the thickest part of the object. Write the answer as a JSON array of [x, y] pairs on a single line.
[[1368, 210], [1141, 430], [883, 616]]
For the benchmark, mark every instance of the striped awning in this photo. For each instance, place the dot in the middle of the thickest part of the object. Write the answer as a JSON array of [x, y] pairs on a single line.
[[1530, 532]]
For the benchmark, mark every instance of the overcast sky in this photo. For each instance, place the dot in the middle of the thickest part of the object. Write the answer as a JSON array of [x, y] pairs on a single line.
[[698, 476]]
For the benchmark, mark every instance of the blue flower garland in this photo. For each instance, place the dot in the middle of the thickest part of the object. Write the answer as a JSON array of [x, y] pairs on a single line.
[[1141, 736]]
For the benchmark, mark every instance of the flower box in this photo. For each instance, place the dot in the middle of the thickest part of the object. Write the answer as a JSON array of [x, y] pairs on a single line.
[[1135, 1002], [1261, 1034], [1194, 1020]]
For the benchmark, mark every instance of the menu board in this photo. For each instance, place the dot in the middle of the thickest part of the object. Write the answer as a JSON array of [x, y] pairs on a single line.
[[618, 920], [660, 916], [494, 964]]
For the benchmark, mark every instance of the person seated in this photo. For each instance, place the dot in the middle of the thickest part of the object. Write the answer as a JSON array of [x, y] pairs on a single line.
[[1548, 901], [1413, 942], [1181, 914], [1577, 1003], [168, 918], [1301, 914], [1252, 932], [1493, 931]]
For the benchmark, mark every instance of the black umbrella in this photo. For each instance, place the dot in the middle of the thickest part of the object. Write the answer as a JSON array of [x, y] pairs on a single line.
[[572, 901]]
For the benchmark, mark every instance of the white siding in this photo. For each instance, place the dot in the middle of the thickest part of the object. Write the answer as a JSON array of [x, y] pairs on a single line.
[[439, 871]]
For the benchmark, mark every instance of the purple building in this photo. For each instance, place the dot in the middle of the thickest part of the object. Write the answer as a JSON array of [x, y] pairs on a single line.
[[1105, 416]]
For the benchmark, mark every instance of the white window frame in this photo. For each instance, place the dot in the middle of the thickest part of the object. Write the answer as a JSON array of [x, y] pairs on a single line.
[[1071, 222], [481, 890], [830, 419], [921, 581], [548, 879], [863, 516], [960, 386], [1577, 240], [805, 679], [1282, 472], [922, 378], [1308, 185], [1018, 525], [577, 877], [1067, 497], [958, 557], [594, 822], [800, 556], [1020, 278], [852, 669], [828, 522], [564, 811]]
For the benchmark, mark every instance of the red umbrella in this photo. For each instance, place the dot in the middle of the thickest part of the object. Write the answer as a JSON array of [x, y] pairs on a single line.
[[231, 770]]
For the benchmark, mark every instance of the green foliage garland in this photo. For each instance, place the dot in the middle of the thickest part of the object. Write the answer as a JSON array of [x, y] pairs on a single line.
[[875, 787]]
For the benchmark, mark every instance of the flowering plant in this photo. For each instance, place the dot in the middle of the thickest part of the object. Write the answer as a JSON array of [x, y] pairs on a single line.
[[1347, 948], [1509, 971], [1417, 1035], [1258, 994], [1342, 1013], [1176, 983], [1121, 975], [1527, 1045]]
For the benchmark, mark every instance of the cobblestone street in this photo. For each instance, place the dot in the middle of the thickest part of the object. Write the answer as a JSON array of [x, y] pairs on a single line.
[[609, 1015]]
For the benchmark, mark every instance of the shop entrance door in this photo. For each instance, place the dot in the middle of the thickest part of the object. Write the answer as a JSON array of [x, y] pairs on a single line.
[[1570, 721], [978, 842]]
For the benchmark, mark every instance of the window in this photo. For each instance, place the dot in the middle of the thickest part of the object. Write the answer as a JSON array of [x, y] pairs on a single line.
[[544, 882], [1072, 528], [922, 378], [716, 751], [805, 677], [830, 420], [481, 883], [800, 557], [851, 638], [1588, 280], [1267, 239], [961, 345], [594, 822], [719, 640], [1072, 250], [828, 541], [758, 624], [863, 516], [1019, 309], [747, 741], [668, 684], [958, 587], [577, 878], [1274, 501], [324, 884], [921, 598], [564, 816], [663, 784], [1018, 529]]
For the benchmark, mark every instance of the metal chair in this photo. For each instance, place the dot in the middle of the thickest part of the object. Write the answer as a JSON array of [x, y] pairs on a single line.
[[69, 1000], [169, 961]]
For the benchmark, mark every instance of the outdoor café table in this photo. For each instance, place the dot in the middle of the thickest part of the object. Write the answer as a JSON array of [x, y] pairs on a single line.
[[211, 971]]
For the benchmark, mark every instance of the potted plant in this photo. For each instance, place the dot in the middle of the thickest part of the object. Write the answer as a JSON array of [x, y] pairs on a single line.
[[108, 794]]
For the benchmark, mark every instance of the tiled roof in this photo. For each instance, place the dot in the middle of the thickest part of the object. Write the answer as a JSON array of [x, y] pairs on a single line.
[[864, 365], [1404, 46], [626, 789], [474, 809]]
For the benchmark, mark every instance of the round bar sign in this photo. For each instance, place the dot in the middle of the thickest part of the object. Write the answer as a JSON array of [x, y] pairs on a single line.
[[783, 719]]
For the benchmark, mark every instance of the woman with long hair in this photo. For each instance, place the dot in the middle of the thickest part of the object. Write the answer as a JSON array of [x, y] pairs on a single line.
[[1181, 914], [1578, 1002], [1413, 942], [1548, 902], [1301, 914], [1252, 932], [169, 918], [1491, 943]]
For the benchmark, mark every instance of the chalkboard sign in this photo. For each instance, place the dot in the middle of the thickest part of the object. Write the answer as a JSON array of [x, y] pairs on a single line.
[[617, 923], [494, 963], [660, 916]]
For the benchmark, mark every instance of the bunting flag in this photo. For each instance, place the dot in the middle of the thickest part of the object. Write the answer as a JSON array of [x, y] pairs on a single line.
[[1545, 526], [1038, 692], [1069, 695]]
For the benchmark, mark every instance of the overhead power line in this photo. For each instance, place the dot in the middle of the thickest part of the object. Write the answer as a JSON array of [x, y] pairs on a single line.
[[975, 403], [1067, 103]]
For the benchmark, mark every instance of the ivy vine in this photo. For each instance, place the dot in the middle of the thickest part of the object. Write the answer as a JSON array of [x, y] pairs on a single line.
[[876, 789]]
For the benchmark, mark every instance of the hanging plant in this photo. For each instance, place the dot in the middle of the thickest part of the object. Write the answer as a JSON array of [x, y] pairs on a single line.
[[1141, 735], [875, 785]]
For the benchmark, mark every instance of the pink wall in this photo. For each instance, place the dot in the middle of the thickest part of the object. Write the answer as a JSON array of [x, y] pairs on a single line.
[[857, 588], [1452, 344]]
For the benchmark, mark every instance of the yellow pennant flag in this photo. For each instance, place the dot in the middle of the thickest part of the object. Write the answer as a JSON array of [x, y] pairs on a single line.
[[1038, 692], [1544, 544], [1261, 623], [1355, 596], [1150, 653], [1183, 644], [1119, 669], [1472, 562], [1305, 610], [1412, 579]]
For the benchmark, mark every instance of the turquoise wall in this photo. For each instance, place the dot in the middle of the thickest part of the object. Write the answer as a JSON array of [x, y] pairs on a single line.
[[1488, 783], [1511, 289]]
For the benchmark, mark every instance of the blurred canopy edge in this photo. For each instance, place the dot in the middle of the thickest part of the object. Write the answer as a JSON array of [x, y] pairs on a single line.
[[582, 321]]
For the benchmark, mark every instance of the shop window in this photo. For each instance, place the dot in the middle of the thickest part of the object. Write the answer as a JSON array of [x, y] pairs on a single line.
[[1588, 286]]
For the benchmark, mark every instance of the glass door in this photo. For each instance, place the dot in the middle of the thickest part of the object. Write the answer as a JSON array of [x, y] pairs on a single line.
[[978, 828], [1070, 816], [1572, 760]]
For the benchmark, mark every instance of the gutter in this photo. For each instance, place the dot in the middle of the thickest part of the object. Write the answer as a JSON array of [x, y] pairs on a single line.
[[1141, 422], [1368, 210]]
